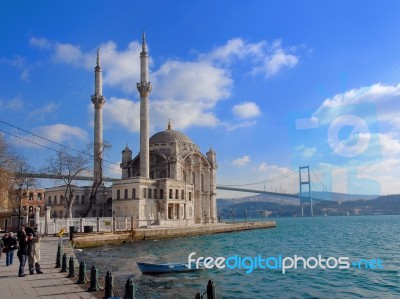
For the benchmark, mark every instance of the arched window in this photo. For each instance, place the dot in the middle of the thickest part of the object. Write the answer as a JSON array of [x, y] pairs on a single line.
[[155, 193], [55, 199], [126, 194], [62, 199], [149, 193], [144, 192], [49, 200], [190, 196], [176, 194], [170, 193], [83, 199], [30, 195], [77, 199], [133, 193], [182, 194], [118, 194], [202, 182], [161, 193]]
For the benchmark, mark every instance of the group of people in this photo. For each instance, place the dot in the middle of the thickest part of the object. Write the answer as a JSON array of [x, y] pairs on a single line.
[[27, 245]]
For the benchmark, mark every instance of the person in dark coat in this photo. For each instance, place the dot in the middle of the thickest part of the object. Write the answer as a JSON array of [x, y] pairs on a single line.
[[2, 244], [11, 245], [22, 253]]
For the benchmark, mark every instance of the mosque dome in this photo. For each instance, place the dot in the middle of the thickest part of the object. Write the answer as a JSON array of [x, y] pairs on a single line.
[[168, 136]]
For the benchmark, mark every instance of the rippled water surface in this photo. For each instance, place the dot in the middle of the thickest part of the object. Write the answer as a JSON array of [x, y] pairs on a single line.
[[363, 237]]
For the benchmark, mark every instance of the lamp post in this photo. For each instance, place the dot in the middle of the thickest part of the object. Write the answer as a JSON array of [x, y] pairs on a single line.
[[233, 215], [245, 216]]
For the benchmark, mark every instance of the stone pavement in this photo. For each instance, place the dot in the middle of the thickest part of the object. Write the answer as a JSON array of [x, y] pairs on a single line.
[[51, 284]]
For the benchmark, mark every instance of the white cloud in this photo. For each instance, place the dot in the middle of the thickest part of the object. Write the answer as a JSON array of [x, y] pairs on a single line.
[[20, 64], [246, 110], [40, 42], [242, 161], [306, 152], [42, 112], [123, 112], [11, 104], [60, 132]]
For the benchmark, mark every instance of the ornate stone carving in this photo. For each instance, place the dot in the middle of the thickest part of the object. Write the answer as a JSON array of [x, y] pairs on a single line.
[[98, 101], [144, 88]]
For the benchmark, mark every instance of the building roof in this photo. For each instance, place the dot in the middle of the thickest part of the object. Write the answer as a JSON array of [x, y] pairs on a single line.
[[169, 136]]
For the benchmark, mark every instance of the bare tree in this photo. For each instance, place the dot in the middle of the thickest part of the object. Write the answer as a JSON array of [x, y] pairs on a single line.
[[97, 181], [22, 182], [68, 167]]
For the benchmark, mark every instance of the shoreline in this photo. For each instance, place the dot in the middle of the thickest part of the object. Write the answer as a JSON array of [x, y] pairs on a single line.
[[96, 239]]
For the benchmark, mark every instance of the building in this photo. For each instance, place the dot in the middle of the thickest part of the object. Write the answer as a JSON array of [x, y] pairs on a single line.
[[55, 200], [170, 182]]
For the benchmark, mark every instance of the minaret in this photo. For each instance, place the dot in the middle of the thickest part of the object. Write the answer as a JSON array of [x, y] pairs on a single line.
[[144, 88], [98, 102]]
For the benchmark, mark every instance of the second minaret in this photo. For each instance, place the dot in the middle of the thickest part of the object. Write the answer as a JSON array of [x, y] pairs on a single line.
[[144, 88]]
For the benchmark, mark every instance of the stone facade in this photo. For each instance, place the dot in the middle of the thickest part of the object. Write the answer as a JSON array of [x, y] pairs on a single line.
[[55, 199]]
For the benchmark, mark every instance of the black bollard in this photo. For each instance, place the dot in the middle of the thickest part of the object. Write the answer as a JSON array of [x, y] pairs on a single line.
[[59, 255], [108, 288], [210, 290], [94, 275], [82, 271], [129, 289], [71, 267], [64, 263]]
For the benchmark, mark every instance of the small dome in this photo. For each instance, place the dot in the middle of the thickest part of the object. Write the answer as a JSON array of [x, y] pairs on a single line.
[[168, 136]]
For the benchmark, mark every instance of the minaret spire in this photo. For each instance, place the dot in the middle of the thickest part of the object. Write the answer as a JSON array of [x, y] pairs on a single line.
[[98, 102], [144, 88]]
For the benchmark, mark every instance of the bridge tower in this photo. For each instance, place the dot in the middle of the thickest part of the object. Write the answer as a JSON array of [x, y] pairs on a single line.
[[305, 188]]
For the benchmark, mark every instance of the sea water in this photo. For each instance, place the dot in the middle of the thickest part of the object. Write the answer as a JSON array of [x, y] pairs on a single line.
[[371, 244]]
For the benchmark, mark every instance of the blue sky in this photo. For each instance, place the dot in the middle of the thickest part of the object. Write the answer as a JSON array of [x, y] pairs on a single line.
[[241, 76]]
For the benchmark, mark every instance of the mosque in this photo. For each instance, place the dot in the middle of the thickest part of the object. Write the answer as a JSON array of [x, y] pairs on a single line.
[[169, 183]]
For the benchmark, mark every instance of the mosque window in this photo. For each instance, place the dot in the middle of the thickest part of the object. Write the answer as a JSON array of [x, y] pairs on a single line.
[[133, 193], [125, 193], [170, 193], [177, 194]]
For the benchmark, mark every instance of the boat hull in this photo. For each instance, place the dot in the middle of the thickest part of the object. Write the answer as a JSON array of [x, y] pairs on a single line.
[[148, 268]]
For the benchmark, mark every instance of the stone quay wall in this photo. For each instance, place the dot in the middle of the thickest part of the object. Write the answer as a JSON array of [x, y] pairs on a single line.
[[83, 240]]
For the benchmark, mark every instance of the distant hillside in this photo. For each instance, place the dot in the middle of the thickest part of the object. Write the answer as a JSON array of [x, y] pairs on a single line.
[[275, 206]]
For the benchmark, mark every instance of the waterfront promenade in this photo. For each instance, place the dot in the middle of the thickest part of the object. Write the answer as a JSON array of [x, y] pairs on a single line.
[[51, 284]]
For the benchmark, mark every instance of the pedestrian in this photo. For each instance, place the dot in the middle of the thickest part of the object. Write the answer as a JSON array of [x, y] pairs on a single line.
[[22, 253], [2, 244], [11, 245], [34, 253]]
